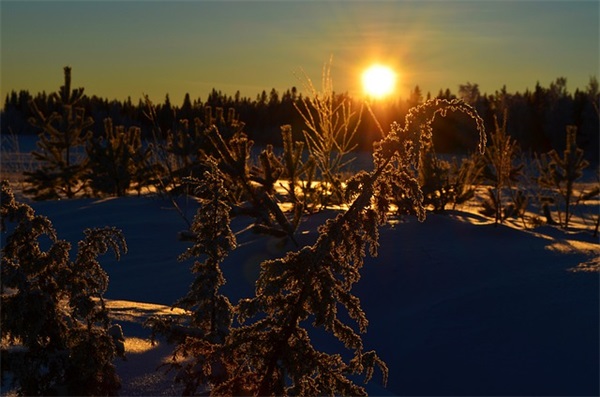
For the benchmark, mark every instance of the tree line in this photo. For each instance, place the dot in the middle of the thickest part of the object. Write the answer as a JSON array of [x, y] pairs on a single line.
[[537, 119]]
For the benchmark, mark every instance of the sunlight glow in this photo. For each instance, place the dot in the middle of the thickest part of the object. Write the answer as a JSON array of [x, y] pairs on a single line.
[[135, 345], [379, 81]]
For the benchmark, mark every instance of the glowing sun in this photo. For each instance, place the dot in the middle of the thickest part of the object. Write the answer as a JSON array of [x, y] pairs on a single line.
[[378, 81]]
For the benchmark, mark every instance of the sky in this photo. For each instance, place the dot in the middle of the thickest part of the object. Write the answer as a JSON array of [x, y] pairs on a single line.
[[120, 49]]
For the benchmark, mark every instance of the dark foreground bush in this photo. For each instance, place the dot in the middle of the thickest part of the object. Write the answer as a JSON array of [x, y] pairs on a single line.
[[55, 338]]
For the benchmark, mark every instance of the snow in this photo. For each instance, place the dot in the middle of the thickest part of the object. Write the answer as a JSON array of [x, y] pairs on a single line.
[[456, 306]]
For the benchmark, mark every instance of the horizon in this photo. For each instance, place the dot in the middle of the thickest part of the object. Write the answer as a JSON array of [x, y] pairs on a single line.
[[120, 50]]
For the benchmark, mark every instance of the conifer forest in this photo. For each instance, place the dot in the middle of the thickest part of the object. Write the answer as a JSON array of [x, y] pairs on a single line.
[[302, 243]]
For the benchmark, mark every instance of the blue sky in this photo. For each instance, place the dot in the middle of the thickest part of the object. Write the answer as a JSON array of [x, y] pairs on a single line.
[[131, 48]]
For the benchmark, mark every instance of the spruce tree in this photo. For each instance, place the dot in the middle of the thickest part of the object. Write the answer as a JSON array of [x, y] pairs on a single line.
[[61, 140], [53, 314], [210, 313]]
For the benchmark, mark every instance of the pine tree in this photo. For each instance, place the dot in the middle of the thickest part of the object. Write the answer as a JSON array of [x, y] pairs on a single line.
[[254, 186], [500, 170], [561, 173], [117, 160], [184, 146], [63, 135], [53, 313], [299, 174]]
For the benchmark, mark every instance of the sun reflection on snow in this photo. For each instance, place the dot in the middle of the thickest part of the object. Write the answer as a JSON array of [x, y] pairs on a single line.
[[572, 246], [135, 345]]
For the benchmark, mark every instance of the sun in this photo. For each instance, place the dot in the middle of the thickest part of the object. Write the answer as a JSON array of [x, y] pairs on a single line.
[[378, 81]]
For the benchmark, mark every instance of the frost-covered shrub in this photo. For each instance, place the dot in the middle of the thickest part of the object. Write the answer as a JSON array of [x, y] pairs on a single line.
[[331, 125], [561, 173], [466, 176], [54, 322], [256, 188], [303, 190], [252, 186], [181, 149], [270, 352], [448, 182], [438, 181]]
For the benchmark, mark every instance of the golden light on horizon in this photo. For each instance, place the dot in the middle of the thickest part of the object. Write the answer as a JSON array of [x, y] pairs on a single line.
[[379, 81]]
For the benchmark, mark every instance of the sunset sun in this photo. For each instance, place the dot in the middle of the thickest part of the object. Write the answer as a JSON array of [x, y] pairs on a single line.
[[378, 81]]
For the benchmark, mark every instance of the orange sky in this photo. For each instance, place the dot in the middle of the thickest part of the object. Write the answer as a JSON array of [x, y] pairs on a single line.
[[121, 49]]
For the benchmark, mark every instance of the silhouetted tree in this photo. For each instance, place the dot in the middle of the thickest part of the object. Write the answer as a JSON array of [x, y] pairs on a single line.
[[53, 313], [561, 173], [117, 161], [63, 134], [469, 93], [501, 170]]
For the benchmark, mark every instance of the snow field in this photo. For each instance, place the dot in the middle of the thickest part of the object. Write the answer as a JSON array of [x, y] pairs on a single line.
[[455, 305]]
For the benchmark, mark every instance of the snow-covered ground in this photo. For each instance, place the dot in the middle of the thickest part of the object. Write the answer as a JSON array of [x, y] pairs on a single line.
[[456, 305]]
